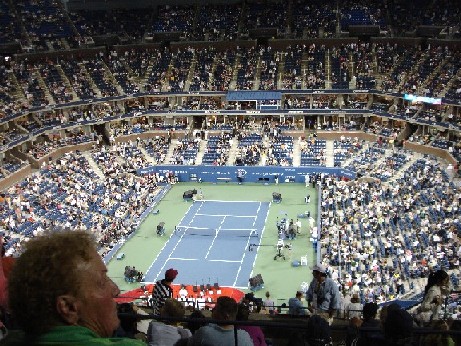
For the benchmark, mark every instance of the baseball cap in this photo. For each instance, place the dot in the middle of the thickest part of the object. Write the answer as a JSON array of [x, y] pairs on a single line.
[[171, 274], [319, 268]]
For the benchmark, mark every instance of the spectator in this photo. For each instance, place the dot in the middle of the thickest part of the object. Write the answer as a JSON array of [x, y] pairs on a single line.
[[370, 337], [269, 304], [128, 320], [6, 265], [434, 291], [62, 297], [194, 323], [352, 330], [354, 308], [295, 305], [170, 332], [317, 333], [323, 294], [438, 339], [456, 326], [163, 290], [398, 327], [255, 332], [222, 333]]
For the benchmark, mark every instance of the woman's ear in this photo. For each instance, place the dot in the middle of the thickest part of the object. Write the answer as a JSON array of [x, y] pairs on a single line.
[[67, 308]]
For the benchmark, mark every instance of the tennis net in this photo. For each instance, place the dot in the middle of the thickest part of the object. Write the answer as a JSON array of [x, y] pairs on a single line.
[[212, 232]]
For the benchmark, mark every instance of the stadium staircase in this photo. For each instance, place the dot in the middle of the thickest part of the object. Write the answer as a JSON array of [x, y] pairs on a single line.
[[233, 81], [19, 91], [169, 155], [190, 74], [399, 174], [297, 153], [66, 82], [143, 81], [304, 68], [281, 71], [212, 70], [149, 158], [45, 89], [329, 154], [95, 89], [110, 76], [328, 82], [93, 164], [257, 79], [233, 152], [201, 152]]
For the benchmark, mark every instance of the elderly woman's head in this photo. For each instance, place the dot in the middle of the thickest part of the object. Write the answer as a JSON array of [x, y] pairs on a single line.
[[60, 279]]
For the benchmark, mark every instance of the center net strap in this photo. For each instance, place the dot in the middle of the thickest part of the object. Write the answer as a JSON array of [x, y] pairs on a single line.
[[212, 232]]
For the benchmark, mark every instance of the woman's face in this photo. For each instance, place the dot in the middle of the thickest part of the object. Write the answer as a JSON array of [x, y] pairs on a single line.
[[97, 308]]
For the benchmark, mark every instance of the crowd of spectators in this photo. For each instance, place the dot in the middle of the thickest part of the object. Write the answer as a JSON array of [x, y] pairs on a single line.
[[269, 66], [185, 152], [217, 150], [313, 151], [312, 17], [202, 74], [372, 270], [246, 69], [364, 231], [85, 202], [45, 25], [399, 69], [345, 148]]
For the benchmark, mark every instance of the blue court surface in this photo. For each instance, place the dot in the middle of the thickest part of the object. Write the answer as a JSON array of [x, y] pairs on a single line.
[[211, 244]]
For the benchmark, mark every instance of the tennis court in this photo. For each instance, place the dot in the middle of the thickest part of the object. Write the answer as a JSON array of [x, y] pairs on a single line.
[[149, 252], [211, 242]]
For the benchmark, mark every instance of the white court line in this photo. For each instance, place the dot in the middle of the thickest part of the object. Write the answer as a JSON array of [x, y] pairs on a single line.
[[177, 243], [226, 215], [260, 239], [216, 235], [184, 259], [241, 262], [225, 261], [246, 247], [217, 200], [221, 229], [257, 211], [164, 245]]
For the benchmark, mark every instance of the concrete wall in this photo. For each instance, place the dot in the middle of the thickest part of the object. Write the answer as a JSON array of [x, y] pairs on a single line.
[[425, 149]]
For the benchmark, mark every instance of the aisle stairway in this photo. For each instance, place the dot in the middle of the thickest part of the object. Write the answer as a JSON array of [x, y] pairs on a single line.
[[233, 152], [94, 166], [296, 152], [330, 154], [169, 155], [399, 173], [147, 156], [201, 152]]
